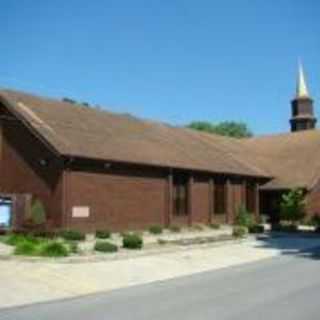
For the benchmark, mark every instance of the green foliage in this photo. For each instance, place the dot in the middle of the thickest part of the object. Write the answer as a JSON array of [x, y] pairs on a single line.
[[14, 239], [103, 234], [25, 248], [214, 226], [174, 228], [38, 212], [226, 128], [315, 221], [244, 218], [197, 227], [53, 249], [155, 229], [292, 205], [284, 228], [105, 246], [239, 231], [73, 246], [132, 241], [256, 228], [72, 235]]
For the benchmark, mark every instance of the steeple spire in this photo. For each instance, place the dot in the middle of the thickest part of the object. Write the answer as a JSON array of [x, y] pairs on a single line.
[[302, 106], [302, 90]]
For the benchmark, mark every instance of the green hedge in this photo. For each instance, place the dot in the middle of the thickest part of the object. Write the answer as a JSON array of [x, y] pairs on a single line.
[[54, 249], [105, 246], [103, 234], [72, 235], [155, 229], [239, 231], [132, 241]]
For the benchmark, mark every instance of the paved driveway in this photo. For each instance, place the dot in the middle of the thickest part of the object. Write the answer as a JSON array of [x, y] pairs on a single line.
[[29, 282]]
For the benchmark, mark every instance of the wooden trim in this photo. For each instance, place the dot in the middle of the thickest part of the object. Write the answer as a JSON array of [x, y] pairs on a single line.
[[229, 201], [211, 200]]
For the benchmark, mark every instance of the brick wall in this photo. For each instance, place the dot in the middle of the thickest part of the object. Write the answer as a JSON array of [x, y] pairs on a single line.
[[116, 201], [20, 171]]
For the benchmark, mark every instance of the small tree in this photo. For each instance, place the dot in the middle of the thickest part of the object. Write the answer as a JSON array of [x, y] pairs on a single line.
[[38, 212], [292, 206], [244, 218]]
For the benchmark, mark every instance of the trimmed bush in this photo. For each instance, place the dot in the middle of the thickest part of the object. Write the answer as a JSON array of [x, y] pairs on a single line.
[[244, 218], [38, 212], [105, 246], [156, 229], [103, 234], [72, 235], [284, 228], [197, 227], [215, 226], [132, 241], [73, 246], [25, 248], [44, 234], [174, 228], [14, 239], [256, 228], [239, 231], [53, 249]]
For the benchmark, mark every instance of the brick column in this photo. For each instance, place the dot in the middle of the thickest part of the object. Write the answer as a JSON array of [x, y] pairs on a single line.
[[190, 203], [257, 201], [211, 200], [229, 202], [169, 200]]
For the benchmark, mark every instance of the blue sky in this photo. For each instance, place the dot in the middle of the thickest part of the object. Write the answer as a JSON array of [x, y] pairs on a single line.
[[168, 60]]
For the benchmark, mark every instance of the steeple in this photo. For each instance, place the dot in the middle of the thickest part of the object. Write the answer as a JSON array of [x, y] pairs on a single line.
[[302, 90], [302, 105]]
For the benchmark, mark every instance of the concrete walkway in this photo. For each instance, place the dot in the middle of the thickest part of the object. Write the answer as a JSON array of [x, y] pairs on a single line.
[[25, 282]]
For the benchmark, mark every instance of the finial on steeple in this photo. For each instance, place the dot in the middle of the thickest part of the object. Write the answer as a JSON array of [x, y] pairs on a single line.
[[302, 90]]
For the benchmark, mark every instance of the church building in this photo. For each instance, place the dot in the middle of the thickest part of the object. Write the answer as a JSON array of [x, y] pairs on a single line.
[[94, 169]]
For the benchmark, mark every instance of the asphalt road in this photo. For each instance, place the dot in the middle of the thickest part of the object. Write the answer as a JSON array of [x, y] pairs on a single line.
[[286, 287]]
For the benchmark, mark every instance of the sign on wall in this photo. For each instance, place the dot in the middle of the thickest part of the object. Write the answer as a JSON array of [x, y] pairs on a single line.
[[80, 212]]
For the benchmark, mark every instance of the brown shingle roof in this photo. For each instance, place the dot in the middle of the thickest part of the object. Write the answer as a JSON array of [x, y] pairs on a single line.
[[291, 158], [75, 130]]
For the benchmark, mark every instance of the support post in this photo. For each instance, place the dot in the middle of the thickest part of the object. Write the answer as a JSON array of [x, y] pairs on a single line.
[[190, 202]]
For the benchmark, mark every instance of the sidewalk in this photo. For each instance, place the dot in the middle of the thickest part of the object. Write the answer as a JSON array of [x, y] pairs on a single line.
[[24, 282]]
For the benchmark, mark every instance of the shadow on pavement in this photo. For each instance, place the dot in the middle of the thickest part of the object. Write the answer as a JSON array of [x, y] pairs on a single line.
[[300, 244]]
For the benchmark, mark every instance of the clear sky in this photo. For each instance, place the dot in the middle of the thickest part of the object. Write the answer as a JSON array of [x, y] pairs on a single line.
[[168, 60]]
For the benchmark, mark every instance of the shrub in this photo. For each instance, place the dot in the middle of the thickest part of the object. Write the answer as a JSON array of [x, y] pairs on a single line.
[[25, 248], [105, 246], [239, 231], [256, 228], [38, 212], [292, 206], [284, 228], [73, 247], [44, 234], [13, 239], [214, 226], [174, 228], [162, 241], [244, 218], [315, 221], [72, 235], [53, 249], [197, 227], [103, 234], [132, 241], [156, 229]]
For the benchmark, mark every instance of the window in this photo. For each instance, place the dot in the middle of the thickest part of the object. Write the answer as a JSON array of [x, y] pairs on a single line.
[[180, 194], [250, 197], [220, 197]]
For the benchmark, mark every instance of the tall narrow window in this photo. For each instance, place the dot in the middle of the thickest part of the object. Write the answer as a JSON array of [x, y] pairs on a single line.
[[180, 194], [220, 197], [250, 197]]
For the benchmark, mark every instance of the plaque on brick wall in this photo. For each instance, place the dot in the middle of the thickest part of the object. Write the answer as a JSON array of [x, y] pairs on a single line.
[[80, 212]]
